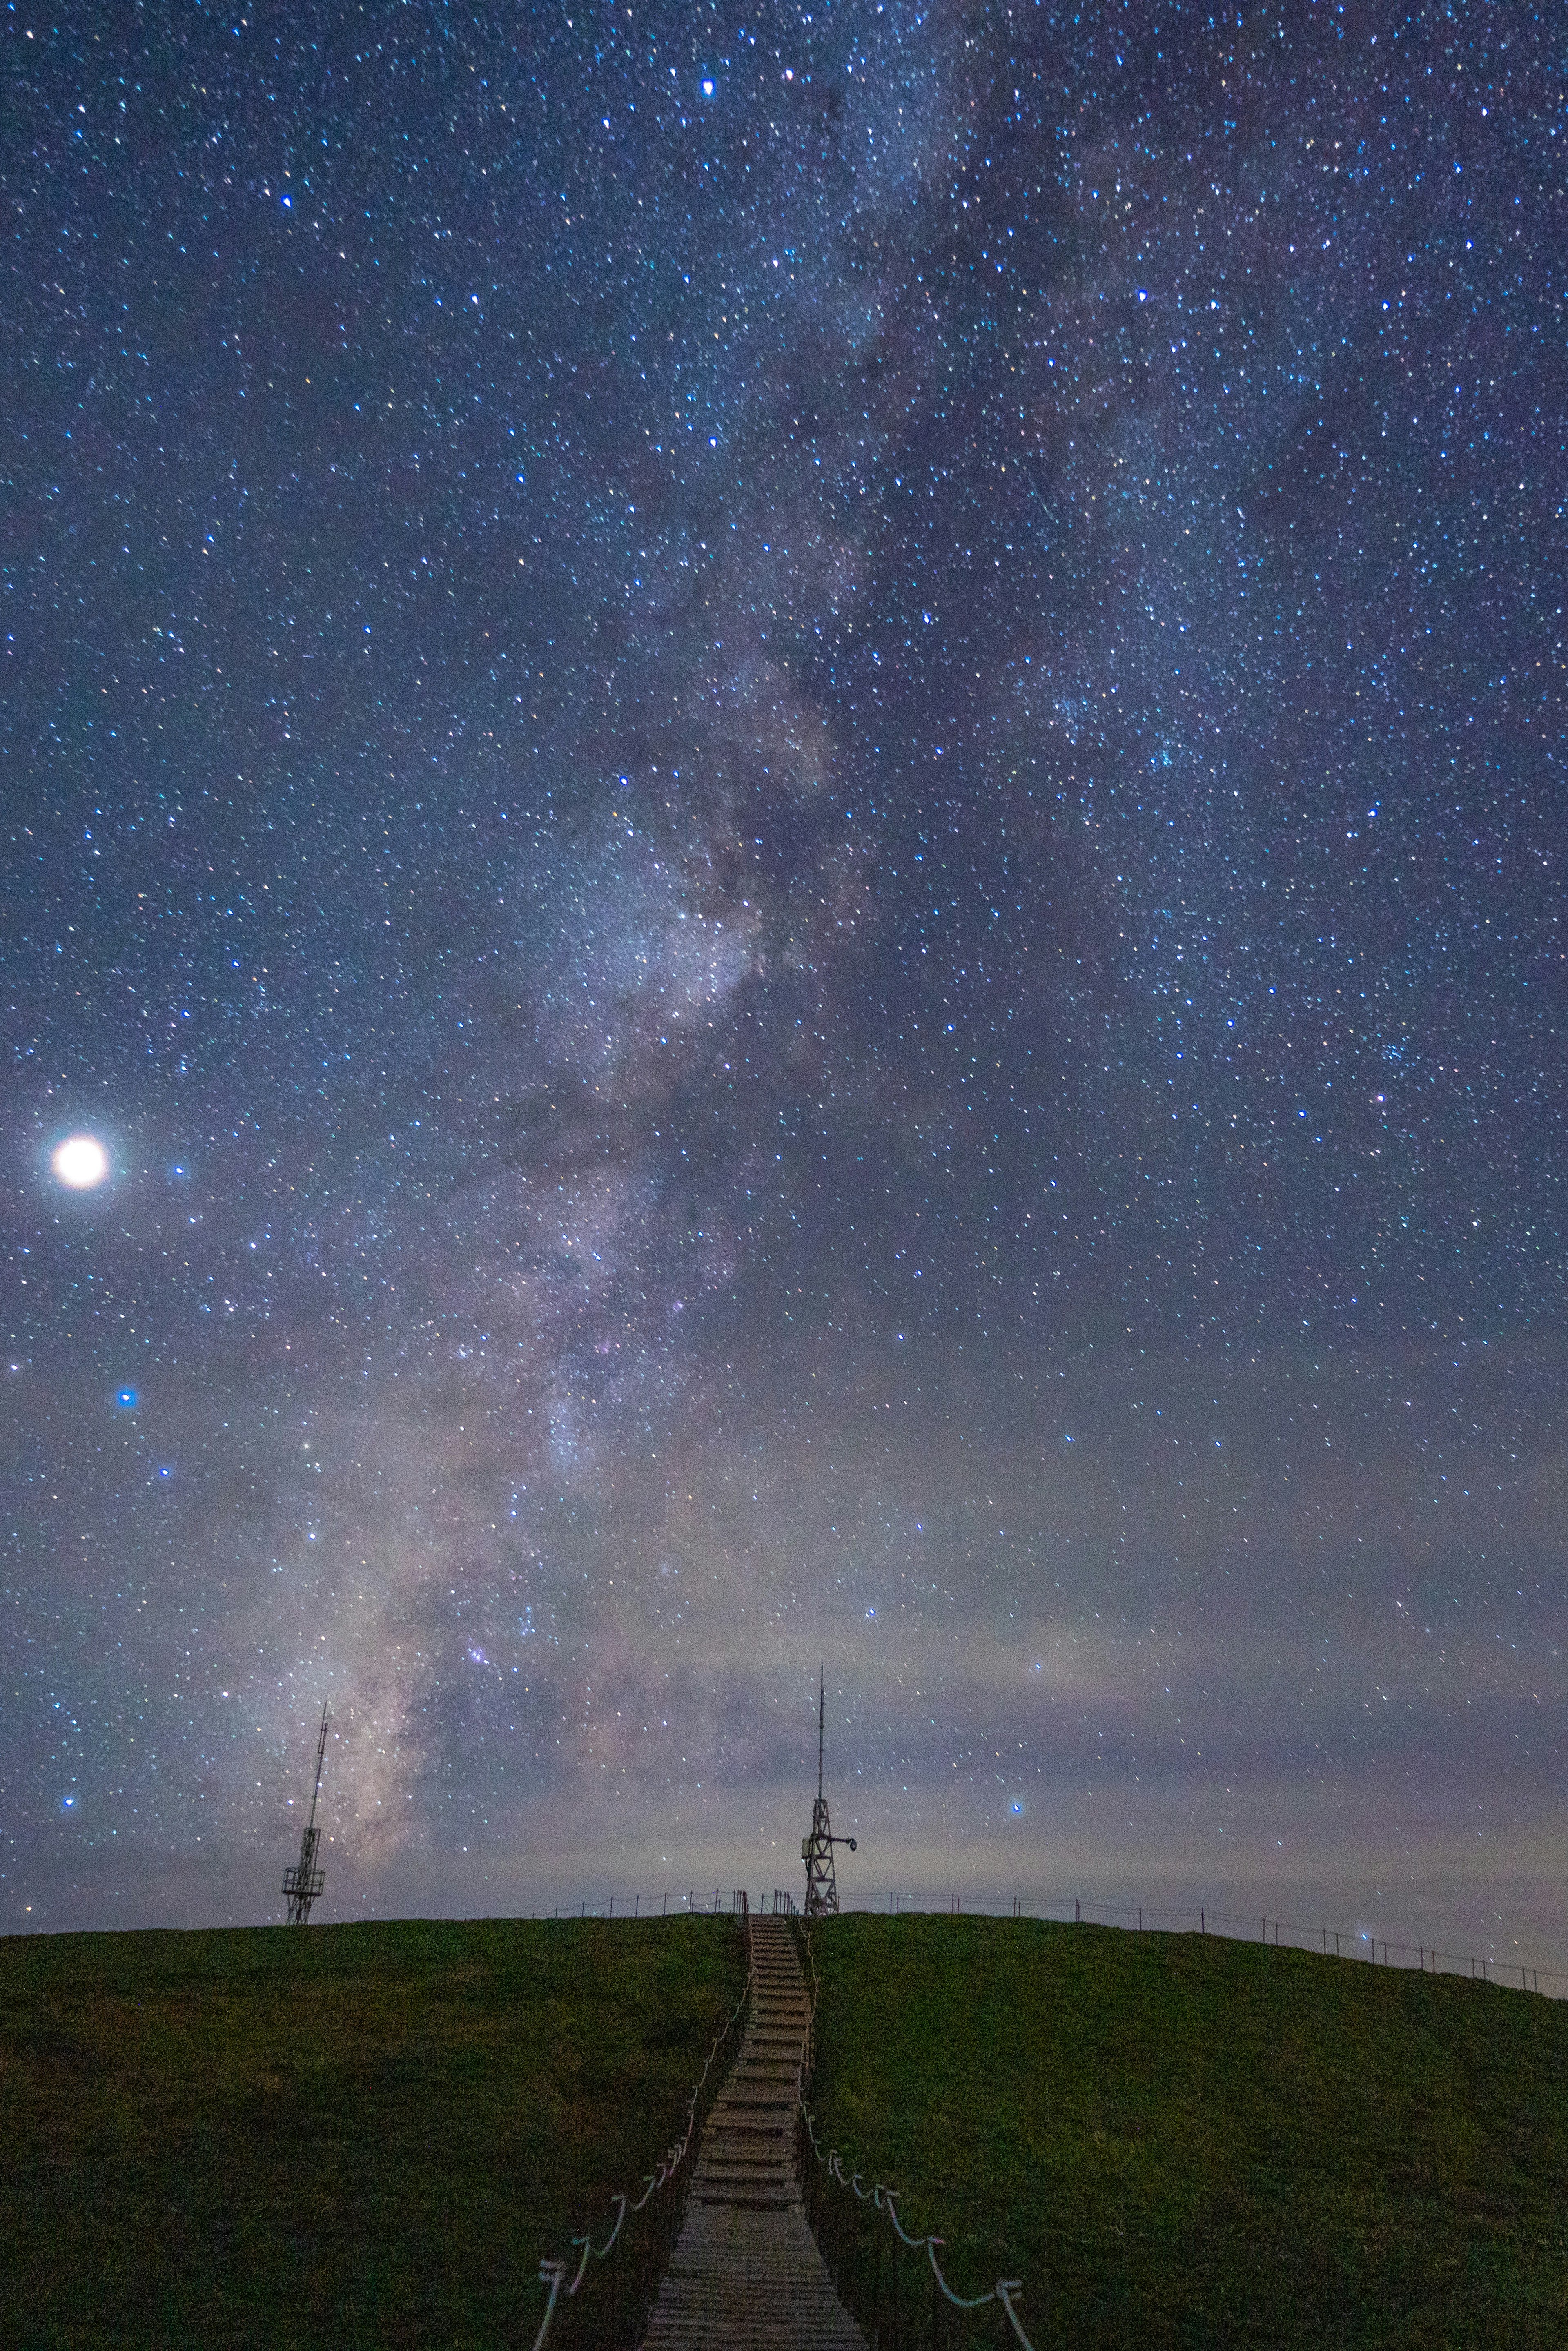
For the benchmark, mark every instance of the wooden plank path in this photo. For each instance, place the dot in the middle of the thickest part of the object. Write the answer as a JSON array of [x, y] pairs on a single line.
[[746, 2270]]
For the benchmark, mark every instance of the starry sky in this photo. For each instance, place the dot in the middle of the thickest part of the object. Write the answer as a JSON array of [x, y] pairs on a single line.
[[788, 787]]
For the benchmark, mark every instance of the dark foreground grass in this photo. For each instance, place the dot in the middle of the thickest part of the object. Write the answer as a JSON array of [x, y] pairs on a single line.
[[1180, 2140], [350, 2136]]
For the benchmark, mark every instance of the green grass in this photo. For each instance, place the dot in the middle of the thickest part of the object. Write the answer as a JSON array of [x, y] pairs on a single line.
[[1182, 2140], [360, 2135]]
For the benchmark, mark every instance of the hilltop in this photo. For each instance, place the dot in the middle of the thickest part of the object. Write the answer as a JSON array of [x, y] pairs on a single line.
[[359, 2134], [1182, 2139], [368, 2135]]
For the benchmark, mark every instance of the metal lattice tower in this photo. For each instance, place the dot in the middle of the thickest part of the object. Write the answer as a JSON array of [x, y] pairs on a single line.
[[303, 1884], [816, 1850]]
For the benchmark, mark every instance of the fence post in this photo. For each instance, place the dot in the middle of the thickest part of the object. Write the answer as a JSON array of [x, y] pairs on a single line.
[[1202, 1922]]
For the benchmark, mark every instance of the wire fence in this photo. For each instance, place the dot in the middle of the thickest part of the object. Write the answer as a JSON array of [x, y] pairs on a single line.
[[891, 2281], [1362, 1943], [602, 2293], [1337, 1942], [642, 1905]]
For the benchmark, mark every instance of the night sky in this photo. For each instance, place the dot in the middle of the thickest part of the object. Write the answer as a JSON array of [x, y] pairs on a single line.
[[789, 789]]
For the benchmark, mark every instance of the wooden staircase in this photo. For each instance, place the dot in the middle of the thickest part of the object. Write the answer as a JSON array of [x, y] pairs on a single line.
[[746, 2270]]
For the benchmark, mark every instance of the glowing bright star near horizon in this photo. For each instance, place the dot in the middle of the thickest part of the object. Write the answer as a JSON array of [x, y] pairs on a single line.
[[80, 1161]]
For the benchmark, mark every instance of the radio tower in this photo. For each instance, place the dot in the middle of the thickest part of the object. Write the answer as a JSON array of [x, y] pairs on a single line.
[[816, 1850], [304, 1883]]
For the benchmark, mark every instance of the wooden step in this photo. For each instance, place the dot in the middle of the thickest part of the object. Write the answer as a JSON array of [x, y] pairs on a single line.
[[746, 2272]]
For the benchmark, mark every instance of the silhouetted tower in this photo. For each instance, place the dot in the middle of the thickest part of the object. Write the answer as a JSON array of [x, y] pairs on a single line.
[[304, 1883], [816, 1850]]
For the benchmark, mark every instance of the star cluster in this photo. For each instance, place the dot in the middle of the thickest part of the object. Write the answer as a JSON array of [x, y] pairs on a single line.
[[785, 791]]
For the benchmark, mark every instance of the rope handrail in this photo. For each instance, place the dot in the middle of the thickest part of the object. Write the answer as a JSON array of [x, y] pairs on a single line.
[[552, 2271], [882, 2198]]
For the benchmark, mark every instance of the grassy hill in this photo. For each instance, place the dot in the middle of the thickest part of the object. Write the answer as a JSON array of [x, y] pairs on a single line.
[[369, 2134], [1181, 2140], [361, 2135]]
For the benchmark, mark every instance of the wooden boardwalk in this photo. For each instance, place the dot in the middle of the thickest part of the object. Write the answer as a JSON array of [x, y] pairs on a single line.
[[746, 2270]]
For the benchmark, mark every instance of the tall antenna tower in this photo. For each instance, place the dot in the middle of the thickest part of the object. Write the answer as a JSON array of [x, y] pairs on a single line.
[[302, 1885], [816, 1850]]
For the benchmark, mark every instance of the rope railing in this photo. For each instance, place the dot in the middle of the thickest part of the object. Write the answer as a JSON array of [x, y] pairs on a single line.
[[636, 2282], [880, 2297]]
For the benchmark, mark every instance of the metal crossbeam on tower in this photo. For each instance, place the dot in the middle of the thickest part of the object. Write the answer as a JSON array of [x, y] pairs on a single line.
[[816, 1850], [302, 1883]]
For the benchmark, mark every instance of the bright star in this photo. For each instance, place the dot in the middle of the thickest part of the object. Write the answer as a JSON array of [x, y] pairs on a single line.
[[80, 1161]]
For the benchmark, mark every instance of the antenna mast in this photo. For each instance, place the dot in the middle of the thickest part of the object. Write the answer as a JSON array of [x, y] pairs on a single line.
[[302, 1883], [816, 1850]]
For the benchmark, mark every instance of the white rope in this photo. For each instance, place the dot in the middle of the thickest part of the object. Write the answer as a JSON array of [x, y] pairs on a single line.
[[1006, 2289], [957, 2300], [550, 2275]]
